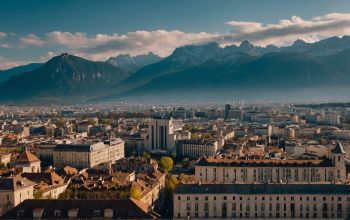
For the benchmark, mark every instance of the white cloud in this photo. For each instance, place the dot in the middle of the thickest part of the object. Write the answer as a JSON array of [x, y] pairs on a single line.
[[8, 63], [31, 40], [4, 45], [2, 34], [163, 42], [288, 30]]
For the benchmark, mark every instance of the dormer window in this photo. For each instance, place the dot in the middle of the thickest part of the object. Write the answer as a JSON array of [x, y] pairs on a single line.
[[20, 213], [57, 213], [97, 213]]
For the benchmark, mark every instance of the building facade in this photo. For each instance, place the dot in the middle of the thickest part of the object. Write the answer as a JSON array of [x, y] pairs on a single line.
[[215, 169], [163, 133], [294, 201], [13, 191], [196, 148], [88, 155]]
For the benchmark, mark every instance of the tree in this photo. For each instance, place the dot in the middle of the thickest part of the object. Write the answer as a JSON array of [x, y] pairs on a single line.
[[194, 136], [3, 166], [171, 183], [135, 192], [147, 155], [38, 194], [124, 195], [166, 163], [185, 162]]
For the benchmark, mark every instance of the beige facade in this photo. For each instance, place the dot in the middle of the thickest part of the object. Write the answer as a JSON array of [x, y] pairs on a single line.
[[262, 201], [195, 148], [88, 155], [5, 158], [14, 190], [212, 169]]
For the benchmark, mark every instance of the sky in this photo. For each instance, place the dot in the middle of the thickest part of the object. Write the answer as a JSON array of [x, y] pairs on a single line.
[[36, 30]]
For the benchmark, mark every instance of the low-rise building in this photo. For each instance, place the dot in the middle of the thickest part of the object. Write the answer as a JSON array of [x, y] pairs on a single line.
[[28, 163], [332, 169], [301, 201], [82, 209], [88, 155], [13, 191], [197, 147]]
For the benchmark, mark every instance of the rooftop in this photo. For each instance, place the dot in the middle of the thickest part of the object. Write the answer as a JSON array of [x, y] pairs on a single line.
[[338, 149], [27, 157], [215, 161], [86, 209]]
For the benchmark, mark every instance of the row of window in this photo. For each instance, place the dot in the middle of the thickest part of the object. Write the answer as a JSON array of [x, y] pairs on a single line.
[[277, 198]]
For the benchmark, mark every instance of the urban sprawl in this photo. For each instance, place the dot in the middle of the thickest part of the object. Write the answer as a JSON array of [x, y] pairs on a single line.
[[126, 161]]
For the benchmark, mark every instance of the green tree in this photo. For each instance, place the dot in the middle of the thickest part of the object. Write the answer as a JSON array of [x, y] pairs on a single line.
[[38, 194], [135, 192], [166, 163], [171, 183], [185, 162], [194, 136], [124, 195], [147, 155], [3, 166]]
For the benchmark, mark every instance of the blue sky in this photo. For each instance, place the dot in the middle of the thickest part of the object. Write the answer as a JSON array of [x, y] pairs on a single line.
[[34, 31]]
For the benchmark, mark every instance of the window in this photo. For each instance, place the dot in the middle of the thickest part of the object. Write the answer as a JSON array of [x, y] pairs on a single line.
[[339, 207], [225, 198], [97, 213], [20, 213], [188, 206], [206, 206], [57, 213], [233, 206]]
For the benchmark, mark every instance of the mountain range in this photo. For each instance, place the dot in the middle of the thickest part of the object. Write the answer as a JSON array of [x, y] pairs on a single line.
[[191, 73], [131, 64]]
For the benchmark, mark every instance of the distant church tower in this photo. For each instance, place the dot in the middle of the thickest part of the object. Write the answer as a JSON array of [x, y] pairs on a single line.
[[338, 160]]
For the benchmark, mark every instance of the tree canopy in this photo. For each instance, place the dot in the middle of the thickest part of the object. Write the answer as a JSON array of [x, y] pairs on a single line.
[[166, 163]]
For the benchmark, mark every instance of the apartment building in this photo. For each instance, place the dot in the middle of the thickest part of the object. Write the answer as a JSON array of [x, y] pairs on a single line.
[[216, 169], [164, 132], [87, 155], [196, 148], [14, 190], [294, 201]]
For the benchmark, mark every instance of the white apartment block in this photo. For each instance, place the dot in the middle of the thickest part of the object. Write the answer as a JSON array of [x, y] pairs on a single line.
[[197, 148], [88, 155], [163, 134], [215, 169]]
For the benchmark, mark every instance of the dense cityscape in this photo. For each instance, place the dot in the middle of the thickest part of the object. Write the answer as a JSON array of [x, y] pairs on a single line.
[[131, 161], [186, 109]]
